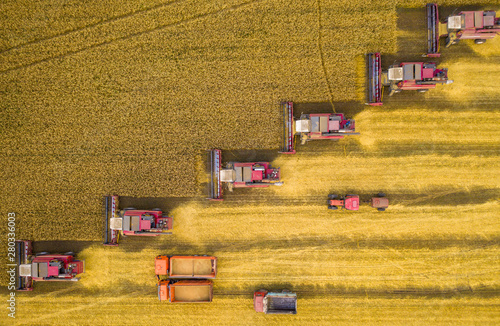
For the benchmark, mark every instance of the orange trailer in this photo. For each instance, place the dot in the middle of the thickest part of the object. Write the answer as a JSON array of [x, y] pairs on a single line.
[[186, 291], [186, 266]]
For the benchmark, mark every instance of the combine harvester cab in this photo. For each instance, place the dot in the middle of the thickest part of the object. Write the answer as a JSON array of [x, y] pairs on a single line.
[[44, 266], [134, 222], [284, 302], [186, 267], [185, 291], [349, 202], [476, 25], [240, 175], [313, 126], [417, 76]]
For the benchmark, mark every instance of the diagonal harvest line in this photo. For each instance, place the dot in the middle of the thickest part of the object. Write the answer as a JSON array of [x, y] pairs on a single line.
[[125, 37], [79, 29], [322, 56]]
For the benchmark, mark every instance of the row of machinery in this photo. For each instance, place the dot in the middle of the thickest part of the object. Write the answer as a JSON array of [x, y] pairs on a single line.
[[421, 76]]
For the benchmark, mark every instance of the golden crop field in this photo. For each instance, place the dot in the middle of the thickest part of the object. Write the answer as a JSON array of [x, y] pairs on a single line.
[[125, 97]]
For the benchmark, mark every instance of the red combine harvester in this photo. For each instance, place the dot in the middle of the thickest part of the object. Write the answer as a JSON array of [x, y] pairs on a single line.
[[351, 202], [131, 221], [418, 76], [466, 25], [313, 126], [44, 266], [240, 175]]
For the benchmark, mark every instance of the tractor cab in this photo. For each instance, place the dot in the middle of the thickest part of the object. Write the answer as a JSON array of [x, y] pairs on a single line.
[[352, 202]]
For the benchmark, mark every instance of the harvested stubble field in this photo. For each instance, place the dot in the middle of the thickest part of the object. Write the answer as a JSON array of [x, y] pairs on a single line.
[[124, 97]]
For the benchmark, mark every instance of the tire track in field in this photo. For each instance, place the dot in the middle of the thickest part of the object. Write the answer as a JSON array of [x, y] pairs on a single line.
[[322, 55], [131, 35], [102, 22]]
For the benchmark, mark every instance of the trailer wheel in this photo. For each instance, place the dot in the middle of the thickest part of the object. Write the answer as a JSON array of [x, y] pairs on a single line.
[[333, 207], [381, 209], [42, 253], [480, 41]]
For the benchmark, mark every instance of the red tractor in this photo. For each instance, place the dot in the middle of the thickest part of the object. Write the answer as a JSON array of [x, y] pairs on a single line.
[[312, 126], [351, 202], [476, 25], [131, 221], [418, 76], [44, 266], [240, 175]]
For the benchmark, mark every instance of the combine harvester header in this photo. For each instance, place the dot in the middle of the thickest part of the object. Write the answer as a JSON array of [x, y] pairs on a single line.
[[131, 221], [418, 76], [44, 266], [240, 175], [476, 25], [313, 126]]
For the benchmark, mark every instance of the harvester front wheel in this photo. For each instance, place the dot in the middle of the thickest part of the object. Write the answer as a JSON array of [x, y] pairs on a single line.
[[156, 209], [422, 90], [129, 209], [333, 207], [480, 41], [69, 253], [381, 194], [332, 196], [42, 253], [381, 209]]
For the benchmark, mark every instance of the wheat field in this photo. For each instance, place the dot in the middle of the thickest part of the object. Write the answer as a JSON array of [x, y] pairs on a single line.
[[125, 97]]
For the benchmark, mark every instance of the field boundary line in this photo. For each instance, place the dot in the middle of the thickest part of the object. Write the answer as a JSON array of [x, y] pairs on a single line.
[[126, 37]]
